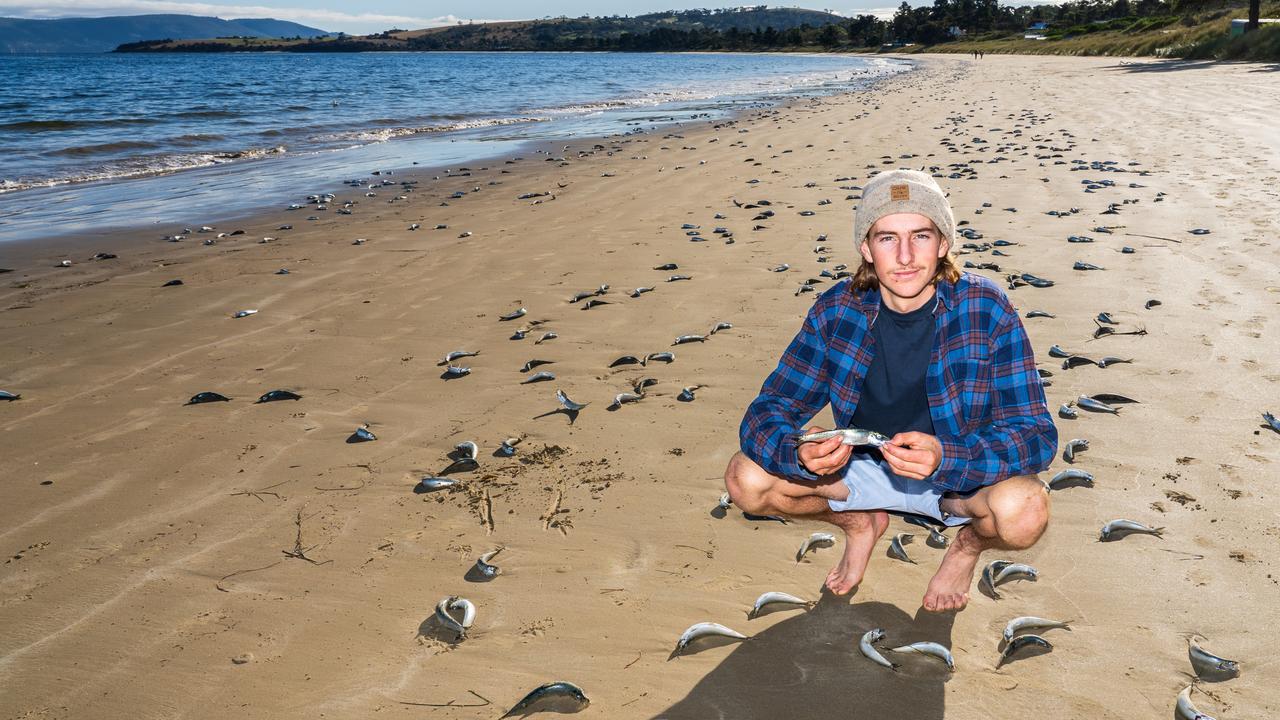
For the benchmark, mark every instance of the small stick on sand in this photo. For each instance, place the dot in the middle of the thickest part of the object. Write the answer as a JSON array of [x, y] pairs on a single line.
[[487, 512], [242, 572], [451, 703], [264, 491], [1153, 237], [298, 551], [550, 514]]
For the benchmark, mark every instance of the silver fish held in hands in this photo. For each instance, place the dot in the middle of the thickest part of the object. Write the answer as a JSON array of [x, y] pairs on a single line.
[[1186, 710], [1020, 642], [1117, 529], [848, 436], [1022, 623], [869, 650], [818, 539], [1209, 666], [929, 648], [569, 696], [771, 598], [705, 629]]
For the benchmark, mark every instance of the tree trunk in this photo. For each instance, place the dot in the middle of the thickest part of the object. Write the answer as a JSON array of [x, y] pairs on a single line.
[[1255, 10]]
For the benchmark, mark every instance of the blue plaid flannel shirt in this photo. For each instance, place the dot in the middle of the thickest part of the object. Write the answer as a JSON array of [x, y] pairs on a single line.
[[985, 396]]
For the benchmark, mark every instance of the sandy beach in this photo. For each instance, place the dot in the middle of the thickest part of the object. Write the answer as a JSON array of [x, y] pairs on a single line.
[[235, 559]]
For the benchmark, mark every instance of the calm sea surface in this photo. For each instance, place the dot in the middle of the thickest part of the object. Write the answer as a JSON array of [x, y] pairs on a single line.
[[96, 141]]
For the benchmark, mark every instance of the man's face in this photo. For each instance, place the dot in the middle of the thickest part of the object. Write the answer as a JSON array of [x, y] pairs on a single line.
[[904, 249]]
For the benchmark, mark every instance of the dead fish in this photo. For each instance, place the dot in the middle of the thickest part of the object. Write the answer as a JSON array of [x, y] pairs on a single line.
[[1117, 529], [1015, 570], [771, 598], [869, 650], [1069, 452], [549, 335], [725, 502], [1185, 709], [1066, 411], [989, 575], [640, 291], [626, 360], [1076, 361], [642, 383], [1152, 303], [929, 648], [567, 696], [197, 399], [663, 356], [1199, 231], [1105, 318], [1271, 421], [457, 371], [775, 518], [1039, 314], [1056, 351], [1112, 360], [172, 283], [362, 434], [781, 268], [469, 449], [676, 278], [1092, 405], [6, 395], [456, 354], [1085, 266], [485, 567], [1022, 623], [1209, 666], [1070, 478], [706, 629], [592, 303], [538, 377], [1112, 398], [447, 620], [896, 549], [689, 338], [818, 539], [568, 404], [687, 393], [848, 436], [720, 326], [243, 313], [1020, 642], [275, 395], [535, 363], [668, 266], [521, 312], [508, 446], [431, 484], [626, 397]]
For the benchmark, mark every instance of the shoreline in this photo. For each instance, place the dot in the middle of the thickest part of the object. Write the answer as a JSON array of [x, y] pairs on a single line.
[[246, 558]]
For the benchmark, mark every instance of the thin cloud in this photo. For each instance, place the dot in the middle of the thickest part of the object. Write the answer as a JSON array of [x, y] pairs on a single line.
[[326, 19]]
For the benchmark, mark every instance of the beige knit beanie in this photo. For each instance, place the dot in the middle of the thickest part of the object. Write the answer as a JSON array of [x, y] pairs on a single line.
[[903, 191]]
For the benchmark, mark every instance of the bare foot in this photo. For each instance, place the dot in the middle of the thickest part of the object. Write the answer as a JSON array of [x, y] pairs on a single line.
[[949, 587], [861, 531]]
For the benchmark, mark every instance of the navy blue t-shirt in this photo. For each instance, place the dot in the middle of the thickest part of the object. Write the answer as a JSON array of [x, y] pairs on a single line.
[[893, 396]]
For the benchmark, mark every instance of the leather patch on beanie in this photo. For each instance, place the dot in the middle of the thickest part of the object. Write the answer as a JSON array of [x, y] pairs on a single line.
[[900, 192]]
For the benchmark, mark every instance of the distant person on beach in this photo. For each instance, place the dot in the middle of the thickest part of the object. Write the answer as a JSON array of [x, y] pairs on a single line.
[[933, 358]]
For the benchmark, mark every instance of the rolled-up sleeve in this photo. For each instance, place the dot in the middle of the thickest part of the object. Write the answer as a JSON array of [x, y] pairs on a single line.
[[1021, 438], [792, 394]]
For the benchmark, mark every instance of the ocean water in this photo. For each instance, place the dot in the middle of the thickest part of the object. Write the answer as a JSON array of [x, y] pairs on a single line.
[[97, 141]]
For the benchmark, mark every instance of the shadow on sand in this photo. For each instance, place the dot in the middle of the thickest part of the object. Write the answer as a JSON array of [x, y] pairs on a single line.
[[809, 666]]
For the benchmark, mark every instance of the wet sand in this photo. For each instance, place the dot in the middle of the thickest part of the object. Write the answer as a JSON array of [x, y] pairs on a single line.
[[235, 558]]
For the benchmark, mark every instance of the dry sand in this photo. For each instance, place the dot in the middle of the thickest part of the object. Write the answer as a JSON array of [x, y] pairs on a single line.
[[150, 571]]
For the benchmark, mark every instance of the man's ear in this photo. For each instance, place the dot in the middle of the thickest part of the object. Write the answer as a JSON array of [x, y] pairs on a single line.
[[866, 251], [944, 247]]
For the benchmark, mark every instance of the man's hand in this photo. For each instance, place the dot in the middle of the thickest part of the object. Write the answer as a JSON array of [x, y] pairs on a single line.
[[913, 455], [826, 457]]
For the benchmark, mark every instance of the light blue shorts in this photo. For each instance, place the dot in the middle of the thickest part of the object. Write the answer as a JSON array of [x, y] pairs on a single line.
[[873, 486]]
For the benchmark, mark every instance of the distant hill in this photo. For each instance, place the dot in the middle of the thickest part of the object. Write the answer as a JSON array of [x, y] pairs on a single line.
[[95, 35], [683, 29]]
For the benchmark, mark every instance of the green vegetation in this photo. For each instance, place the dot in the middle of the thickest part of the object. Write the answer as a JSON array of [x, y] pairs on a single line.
[[1168, 28]]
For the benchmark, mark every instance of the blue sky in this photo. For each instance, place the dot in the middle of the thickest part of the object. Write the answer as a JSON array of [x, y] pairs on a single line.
[[379, 15]]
